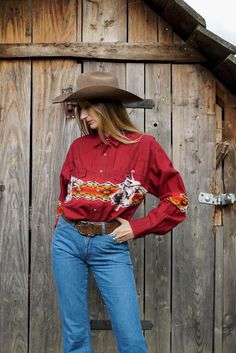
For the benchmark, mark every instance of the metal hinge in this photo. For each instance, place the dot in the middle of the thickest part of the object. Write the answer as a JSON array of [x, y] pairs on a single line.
[[219, 200]]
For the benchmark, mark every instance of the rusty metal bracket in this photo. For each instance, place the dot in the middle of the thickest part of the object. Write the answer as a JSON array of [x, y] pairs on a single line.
[[69, 107], [222, 148]]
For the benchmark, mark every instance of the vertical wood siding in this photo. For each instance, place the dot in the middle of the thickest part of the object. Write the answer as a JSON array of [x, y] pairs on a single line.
[[229, 221], [15, 24], [158, 249], [194, 139], [54, 21], [185, 279], [51, 136], [104, 21], [14, 204]]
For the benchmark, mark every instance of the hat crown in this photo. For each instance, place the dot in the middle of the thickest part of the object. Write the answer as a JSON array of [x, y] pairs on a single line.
[[97, 78], [98, 85]]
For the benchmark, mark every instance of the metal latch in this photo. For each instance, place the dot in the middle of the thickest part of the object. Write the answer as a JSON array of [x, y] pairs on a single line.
[[220, 200]]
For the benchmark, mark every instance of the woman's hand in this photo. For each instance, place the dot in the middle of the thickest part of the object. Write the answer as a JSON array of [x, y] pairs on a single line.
[[124, 231]]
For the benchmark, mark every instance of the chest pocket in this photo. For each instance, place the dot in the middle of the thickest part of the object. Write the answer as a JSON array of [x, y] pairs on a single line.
[[79, 172]]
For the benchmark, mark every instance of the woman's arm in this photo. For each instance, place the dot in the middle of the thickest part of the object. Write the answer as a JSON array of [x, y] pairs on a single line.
[[165, 182]]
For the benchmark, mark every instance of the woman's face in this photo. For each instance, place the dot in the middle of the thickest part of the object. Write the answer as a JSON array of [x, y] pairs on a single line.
[[91, 117]]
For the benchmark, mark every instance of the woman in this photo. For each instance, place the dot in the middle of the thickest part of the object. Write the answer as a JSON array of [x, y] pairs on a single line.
[[104, 178]]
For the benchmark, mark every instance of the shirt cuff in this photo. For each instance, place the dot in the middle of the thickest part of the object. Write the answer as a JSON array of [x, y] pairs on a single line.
[[159, 221], [140, 227]]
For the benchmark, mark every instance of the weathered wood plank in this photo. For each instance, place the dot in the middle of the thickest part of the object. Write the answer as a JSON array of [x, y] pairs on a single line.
[[104, 21], [142, 22], [193, 247], [158, 249], [14, 204], [51, 135], [219, 182], [229, 221], [219, 245], [165, 33], [179, 53], [15, 21], [54, 21]]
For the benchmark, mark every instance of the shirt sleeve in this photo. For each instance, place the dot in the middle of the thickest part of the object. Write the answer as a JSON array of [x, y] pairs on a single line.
[[64, 180], [165, 182]]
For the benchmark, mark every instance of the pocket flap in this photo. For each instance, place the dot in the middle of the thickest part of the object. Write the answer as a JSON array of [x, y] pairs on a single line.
[[79, 172]]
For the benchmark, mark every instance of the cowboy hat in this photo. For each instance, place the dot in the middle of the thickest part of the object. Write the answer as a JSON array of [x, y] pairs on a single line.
[[98, 85]]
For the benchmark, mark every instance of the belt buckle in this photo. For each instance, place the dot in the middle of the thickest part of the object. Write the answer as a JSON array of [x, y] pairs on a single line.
[[93, 229], [92, 224]]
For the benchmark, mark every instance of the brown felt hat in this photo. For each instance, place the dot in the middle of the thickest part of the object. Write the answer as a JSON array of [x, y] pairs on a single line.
[[97, 85]]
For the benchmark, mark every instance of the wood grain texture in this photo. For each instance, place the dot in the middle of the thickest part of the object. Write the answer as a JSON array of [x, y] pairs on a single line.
[[52, 135], [15, 21], [104, 21], [165, 33], [179, 53], [142, 22], [219, 243], [55, 21], [14, 204], [229, 221], [158, 248], [193, 242]]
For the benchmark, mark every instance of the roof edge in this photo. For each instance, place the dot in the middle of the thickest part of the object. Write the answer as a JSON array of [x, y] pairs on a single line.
[[178, 14], [191, 27]]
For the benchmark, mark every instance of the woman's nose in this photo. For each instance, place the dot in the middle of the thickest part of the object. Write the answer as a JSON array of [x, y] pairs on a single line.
[[83, 114]]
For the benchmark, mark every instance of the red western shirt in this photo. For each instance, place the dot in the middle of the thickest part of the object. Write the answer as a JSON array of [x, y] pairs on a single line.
[[99, 182]]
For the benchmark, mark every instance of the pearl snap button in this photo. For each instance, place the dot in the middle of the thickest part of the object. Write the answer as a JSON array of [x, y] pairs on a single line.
[[101, 171], [94, 209], [105, 154]]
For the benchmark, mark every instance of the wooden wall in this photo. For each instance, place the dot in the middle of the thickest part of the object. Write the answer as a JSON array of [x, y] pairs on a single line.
[[185, 279]]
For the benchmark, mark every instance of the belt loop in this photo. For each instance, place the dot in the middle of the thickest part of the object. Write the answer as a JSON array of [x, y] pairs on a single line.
[[103, 227]]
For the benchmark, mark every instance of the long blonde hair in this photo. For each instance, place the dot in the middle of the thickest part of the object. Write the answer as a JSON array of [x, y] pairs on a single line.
[[113, 117]]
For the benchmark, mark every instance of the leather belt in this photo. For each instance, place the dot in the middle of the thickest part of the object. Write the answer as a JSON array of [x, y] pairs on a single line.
[[93, 228]]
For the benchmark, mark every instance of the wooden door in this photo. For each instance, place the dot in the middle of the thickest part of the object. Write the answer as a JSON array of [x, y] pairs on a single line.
[[185, 279]]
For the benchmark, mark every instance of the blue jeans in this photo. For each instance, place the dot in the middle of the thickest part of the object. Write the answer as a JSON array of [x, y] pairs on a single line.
[[72, 255]]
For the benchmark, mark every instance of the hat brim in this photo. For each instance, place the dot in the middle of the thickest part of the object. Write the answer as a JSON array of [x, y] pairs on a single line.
[[102, 92]]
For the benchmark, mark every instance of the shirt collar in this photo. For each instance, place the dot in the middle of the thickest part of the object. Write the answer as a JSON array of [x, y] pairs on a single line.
[[97, 141]]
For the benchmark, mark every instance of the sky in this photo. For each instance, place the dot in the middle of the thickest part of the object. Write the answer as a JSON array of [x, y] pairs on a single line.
[[219, 16]]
